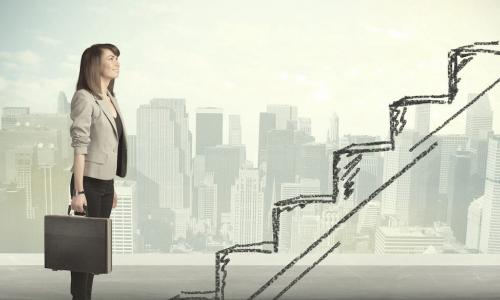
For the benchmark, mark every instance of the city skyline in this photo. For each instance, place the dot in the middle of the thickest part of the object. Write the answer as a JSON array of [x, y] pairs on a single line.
[[173, 110]]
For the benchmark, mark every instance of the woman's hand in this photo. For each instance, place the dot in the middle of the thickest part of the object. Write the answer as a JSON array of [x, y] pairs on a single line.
[[77, 203], [115, 200]]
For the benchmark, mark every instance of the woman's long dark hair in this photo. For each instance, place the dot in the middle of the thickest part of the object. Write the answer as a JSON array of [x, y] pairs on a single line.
[[90, 66]]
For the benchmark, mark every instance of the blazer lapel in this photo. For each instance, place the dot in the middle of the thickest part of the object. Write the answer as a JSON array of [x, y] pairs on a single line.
[[108, 114], [117, 111]]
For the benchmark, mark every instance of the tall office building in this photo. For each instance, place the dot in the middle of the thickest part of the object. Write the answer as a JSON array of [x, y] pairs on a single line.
[[22, 157], [292, 237], [478, 128], [333, 136], [479, 118], [426, 207], [163, 155], [397, 196], [474, 222], [459, 193], [369, 177], [198, 175], [56, 122], [267, 122], [45, 160], [286, 115], [18, 160], [224, 161], [10, 114], [330, 215], [304, 125], [369, 217], [479, 148], [63, 106], [247, 207], [280, 154], [422, 119], [490, 225], [208, 128], [311, 162], [132, 157], [207, 201], [305, 230], [234, 130], [123, 217], [406, 240], [182, 217], [448, 144]]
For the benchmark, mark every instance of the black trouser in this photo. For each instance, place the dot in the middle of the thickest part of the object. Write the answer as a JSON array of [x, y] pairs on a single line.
[[99, 194]]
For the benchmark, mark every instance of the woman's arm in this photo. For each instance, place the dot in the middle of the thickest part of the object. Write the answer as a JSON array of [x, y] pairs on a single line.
[[78, 167], [81, 114], [78, 201]]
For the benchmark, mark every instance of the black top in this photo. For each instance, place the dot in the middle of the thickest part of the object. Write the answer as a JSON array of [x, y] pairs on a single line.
[[119, 130], [119, 126]]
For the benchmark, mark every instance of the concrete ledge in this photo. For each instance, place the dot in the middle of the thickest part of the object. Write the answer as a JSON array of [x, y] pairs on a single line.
[[37, 259]]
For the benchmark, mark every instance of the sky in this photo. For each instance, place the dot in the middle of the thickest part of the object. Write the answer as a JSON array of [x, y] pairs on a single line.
[[348, 57]]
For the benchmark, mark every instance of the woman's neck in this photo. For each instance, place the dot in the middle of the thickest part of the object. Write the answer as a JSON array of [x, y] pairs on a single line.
[[104, 86]]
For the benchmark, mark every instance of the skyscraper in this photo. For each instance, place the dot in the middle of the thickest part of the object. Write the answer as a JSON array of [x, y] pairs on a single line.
[[304, 125], [311, 162], [224, 161], [123, 216], [280, 155], [247, 207], [9, 116], [474, 222], [292, 237], [448, 144], [63, 106], [163, 155], [45, 160], [234, 130], [422, 119], [23, 158], [207, 201], [286, 115], [490, 225], [132, 157], [56, 122], [17, 160], [208, 128], [459, 193], [267, 122], [479, 118], [333, 137], [397, 196], [369, 217]]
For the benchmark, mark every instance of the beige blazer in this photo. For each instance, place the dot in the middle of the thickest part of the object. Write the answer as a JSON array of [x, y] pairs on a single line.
[[94, 134]]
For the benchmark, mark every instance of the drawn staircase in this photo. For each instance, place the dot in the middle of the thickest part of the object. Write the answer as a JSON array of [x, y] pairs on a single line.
[[346, 163]]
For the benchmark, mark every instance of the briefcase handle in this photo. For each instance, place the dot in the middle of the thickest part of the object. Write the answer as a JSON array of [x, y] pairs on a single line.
[[78, 213]]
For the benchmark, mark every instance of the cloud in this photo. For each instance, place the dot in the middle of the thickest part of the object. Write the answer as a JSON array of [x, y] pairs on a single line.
[[3, 83], [48, 40], [38, 93], [20, 58], [71, 62]]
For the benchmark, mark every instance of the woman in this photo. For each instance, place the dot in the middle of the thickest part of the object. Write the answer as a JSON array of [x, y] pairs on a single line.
[[98, 139]]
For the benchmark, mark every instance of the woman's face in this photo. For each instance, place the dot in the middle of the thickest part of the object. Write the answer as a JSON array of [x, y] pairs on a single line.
[[110, 67]]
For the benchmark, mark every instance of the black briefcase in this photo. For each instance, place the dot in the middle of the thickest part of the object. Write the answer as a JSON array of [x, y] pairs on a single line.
[[77, 243]]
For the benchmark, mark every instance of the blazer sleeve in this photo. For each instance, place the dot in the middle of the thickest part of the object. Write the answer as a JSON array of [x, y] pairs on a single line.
[[81, 114]]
